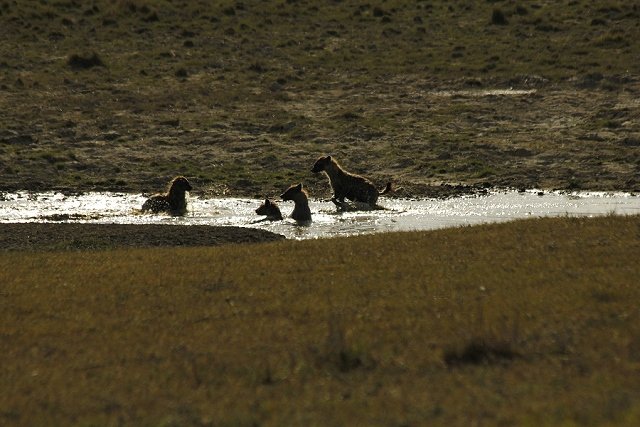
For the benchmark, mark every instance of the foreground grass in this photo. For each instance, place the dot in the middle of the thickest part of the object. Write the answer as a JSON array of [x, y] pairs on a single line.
[[527, 323]]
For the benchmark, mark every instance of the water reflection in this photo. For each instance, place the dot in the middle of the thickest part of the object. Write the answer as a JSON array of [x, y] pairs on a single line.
[[401, 214]]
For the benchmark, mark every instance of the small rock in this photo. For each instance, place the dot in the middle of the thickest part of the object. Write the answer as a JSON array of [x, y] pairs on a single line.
[[17, 139], [110, 136], [172, 122], [78, 62]]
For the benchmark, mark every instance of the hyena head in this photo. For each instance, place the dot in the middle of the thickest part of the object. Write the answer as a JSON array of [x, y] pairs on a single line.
[[268, 208], [292, 192], [180, 183], [263, 209], [321, 164]]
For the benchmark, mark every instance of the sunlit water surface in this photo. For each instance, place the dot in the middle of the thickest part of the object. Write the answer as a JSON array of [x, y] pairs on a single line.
[[399, 215]]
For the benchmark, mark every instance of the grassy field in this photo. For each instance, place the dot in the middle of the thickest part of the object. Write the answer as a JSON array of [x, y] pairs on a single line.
[[242, 97], [529, 323], [532, 323]]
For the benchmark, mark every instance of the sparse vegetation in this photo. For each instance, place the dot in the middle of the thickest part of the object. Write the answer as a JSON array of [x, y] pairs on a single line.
[[231, 83], [527, 323], [79, 62], [498, 17]]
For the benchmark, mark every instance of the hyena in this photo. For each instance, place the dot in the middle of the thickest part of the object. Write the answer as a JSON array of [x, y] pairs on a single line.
[[173, 201], [347, 185], [270, 209], [301, 211]]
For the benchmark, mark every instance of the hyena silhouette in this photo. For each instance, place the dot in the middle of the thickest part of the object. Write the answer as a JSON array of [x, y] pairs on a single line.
[[270, 210], [301, 211], [173, 201], [348, 185]]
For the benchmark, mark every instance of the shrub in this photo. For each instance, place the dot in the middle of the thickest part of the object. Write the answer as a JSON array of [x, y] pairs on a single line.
[[79, 62], [498, 18], [480, 352]]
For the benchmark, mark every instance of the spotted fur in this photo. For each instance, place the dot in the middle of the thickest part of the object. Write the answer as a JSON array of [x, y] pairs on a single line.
[[173, 201], [347, 185]]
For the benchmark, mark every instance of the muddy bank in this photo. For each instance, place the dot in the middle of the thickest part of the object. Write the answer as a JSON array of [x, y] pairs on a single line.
[[242, 99], [70, 236]]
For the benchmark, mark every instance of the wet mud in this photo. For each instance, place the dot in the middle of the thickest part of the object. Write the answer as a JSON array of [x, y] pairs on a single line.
[[83, 236]]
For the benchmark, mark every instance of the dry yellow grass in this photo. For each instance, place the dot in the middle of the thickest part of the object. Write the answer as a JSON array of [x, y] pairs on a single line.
[[528, 323]]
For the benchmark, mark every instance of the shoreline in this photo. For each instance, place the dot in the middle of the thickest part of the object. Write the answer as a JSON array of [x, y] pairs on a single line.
[[52, 236], [50, 221]]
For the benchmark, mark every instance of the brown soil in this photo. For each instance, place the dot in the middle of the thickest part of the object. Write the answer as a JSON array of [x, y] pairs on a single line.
[[242, 99], [70, 236], [440, 145]]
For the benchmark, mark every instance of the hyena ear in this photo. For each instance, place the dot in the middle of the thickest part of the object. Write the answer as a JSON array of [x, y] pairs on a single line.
[[267, 202], [299, 187], [328, 158]]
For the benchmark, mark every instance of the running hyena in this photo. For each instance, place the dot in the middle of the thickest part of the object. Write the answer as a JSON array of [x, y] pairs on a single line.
[[347, 185], [301, 211], [270, 209], [173, 201]]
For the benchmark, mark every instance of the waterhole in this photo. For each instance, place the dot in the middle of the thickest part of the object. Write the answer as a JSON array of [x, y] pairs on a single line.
[[398, 215]]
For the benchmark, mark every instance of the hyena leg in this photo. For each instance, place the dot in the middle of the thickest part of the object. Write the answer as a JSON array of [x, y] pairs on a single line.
[[339, 203], [373, 198]]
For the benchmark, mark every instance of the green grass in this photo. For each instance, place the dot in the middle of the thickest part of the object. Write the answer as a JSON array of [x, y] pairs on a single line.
[[346, 78], [527, 323], [296, 41]]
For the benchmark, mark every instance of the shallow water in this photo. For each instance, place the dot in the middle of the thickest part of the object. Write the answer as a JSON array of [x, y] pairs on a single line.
[[479, 93], [399, 215]]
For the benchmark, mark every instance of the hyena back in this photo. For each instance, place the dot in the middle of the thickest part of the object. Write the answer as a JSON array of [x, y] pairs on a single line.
[[348, 185], [173, 201]]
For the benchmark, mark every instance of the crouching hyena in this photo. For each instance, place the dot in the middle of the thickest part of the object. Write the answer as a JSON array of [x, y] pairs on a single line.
[[301, 211], [347, 185], [173, 201], [270, 210]]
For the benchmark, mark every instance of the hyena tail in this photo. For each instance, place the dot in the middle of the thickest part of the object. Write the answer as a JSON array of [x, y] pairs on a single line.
[[387, 189]]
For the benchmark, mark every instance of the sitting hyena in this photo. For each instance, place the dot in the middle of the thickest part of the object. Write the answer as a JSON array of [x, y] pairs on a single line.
[[347, 185], [173, 201], [301, 211], [270, 209]]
